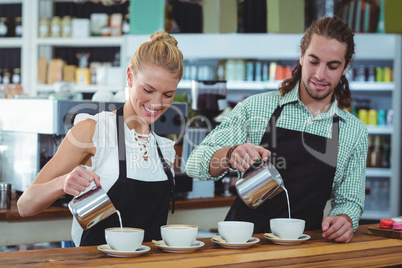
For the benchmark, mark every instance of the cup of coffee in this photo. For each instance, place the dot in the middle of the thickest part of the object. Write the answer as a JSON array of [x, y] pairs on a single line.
[[179, 235], [124, 239], [286, 228], [235, 231]]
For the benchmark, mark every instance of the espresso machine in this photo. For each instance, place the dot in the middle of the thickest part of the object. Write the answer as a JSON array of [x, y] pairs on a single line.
[[32, 129]]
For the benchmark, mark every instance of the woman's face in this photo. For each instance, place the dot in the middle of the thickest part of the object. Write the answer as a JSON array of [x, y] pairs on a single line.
[[151, 92]]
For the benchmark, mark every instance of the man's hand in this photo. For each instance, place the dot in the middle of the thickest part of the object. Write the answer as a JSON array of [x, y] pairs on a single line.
[[338, 228], [246, 154]]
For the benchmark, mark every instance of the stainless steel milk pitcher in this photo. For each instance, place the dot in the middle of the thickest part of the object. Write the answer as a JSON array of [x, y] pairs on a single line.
[[260, 182], [91, 207]]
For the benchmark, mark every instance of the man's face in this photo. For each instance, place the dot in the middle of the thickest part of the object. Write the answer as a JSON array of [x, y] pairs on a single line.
[[323, 64]]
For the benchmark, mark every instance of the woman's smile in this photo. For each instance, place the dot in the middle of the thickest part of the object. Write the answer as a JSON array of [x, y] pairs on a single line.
[[150, 111]]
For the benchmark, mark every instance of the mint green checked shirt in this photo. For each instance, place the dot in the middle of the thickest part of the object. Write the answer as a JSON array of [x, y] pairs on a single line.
[[247, 123]]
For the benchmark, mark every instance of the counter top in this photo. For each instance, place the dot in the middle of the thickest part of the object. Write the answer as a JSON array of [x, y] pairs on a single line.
[[63, 212], [364, 250]]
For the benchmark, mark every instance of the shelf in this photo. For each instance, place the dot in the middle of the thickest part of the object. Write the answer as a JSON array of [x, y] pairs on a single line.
[[10, 42], [378, 172], [380, 130], [372, 86], [95, 41], [83, 89], [11, 1], [274, 85]]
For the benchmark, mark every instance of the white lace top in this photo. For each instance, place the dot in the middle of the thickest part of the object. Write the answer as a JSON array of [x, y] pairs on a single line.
[[105, 161]]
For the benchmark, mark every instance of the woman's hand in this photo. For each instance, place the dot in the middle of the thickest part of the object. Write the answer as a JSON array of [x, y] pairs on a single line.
[[78, 180], [243, 156]]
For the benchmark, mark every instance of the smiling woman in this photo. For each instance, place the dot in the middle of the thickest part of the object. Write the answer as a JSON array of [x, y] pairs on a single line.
[[96, 150]]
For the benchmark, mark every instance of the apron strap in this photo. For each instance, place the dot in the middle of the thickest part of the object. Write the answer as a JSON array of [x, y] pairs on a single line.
[[168, 172], [121, 141]]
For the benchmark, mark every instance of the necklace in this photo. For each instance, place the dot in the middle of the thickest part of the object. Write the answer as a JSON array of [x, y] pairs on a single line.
[[143, 143]]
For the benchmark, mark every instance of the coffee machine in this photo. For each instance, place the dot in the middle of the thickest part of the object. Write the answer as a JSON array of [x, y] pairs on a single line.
[[32, 129]]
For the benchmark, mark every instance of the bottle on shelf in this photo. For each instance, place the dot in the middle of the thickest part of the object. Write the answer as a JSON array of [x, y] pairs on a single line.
[[368, 204], [125, 28], [258, 71], [16, 78], [3, 27], [375, 195], [6, 77], [384, 195], [386, 155], [18, 27], [265, 71], [372, 117], [55, 29], [44, 27], [370, 150], [220, 71], [376, 153], [66, 26]]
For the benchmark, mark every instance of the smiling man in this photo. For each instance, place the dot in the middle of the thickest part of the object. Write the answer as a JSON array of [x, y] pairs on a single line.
[[322, 147]]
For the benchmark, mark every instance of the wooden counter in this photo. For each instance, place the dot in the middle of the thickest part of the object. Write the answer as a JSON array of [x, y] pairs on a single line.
[[364, 251]]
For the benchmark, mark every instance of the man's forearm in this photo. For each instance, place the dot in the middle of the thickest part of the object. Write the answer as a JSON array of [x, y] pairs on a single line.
[[219, 163]]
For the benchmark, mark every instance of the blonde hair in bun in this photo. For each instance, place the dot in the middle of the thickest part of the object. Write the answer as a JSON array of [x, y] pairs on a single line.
[[161, 50]]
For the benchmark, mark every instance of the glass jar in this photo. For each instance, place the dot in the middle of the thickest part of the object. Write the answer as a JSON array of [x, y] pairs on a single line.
[[6, 77], [18, 27], [44, 27], [3, 27], [55, 29], [16, 76], [126, 24], [66, 26]]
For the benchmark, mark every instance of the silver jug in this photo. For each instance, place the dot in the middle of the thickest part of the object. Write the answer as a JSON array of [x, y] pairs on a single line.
[[260, 182], [91, 207]]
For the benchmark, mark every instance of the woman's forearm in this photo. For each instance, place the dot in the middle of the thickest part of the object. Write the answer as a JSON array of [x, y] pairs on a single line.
[[40, 196]]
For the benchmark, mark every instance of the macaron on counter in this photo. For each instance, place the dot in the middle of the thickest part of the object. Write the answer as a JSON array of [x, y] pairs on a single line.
[[394, 223], [397, 226], [386, 223]]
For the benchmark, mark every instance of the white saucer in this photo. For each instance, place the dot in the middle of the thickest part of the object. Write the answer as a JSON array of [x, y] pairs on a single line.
[[299, 240], [252, 241], [197, 244], [115, 253]]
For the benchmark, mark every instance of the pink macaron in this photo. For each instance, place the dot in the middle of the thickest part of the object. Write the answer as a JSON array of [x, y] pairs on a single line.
[[397, 226]]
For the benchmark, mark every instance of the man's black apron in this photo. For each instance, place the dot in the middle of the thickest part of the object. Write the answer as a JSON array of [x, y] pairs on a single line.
[[307, 178], [141, 204]]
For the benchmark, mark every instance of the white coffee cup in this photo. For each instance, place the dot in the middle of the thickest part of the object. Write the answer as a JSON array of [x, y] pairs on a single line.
[[124, 239], [287, 228], [235, 231], [179, 235]]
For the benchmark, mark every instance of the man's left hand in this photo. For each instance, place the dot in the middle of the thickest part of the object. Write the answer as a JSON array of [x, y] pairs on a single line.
[[338, 228]]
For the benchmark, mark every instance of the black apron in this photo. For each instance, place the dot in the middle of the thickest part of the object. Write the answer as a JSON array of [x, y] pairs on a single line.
[[141, 204], [306, 177]]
